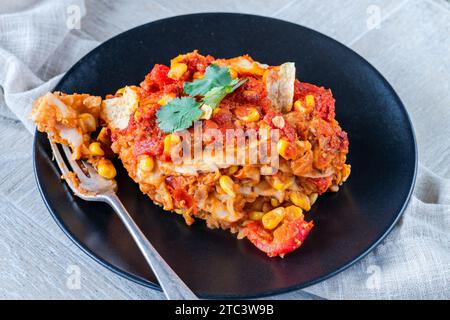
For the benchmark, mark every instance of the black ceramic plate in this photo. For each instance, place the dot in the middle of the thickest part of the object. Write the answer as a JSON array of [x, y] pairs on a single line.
[[213, 263]]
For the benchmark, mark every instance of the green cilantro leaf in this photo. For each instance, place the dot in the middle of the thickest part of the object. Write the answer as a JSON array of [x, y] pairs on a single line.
[[216, 94], [237, 84], [215, 76], [178, 114], [213, 97]]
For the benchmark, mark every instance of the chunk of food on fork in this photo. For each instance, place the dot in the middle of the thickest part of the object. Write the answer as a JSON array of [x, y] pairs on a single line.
[[150, 127]]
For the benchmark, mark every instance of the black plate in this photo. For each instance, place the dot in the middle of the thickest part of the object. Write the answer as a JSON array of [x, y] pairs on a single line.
[[213, 263]]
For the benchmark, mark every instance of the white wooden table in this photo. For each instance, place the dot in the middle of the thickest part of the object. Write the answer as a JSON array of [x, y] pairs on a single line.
[[409, 44]]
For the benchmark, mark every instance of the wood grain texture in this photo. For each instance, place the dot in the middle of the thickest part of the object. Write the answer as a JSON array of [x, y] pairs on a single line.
[[411, 48]]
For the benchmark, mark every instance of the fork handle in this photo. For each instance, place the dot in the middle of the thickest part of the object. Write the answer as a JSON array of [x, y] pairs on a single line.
[[174, 288]]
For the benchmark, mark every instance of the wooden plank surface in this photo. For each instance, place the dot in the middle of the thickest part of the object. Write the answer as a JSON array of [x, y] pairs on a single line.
[[411, 48]]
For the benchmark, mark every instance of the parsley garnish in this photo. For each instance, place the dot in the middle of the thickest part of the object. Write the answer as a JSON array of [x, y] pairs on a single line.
[[180, 113]]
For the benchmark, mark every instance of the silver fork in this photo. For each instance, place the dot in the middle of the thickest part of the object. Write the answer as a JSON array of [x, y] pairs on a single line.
[[103, 190]]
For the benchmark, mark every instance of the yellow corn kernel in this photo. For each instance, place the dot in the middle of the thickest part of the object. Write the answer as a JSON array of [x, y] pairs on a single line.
[[251, 116], [96, 149], [103, 136], [233, 169], [277, 184], [313, 198], [198, 75], [169, 141], [309, 100], [274, 202], [256, 215], [294, 212], [300, 200], [298, 106], [273, 218], [177, 59], [227, 185], [106, 169], [334, 188], [137, 116], [146, 163], [165, 99], [88, 122], [280, 185], [282, 147], [345, 172], [177, 70], [304, 146], [257, 69], [121, 90], [233, 72]]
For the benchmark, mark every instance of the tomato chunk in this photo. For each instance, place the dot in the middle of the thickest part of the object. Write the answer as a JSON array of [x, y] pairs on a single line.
[[156, 79], [286, 238]]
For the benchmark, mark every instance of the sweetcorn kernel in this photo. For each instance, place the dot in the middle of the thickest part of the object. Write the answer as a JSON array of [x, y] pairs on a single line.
[[256, 215], [334, 188], [177, 59], [233, 169], [169, 141], [106, 169], [103, 136], [227, 185], [313, 198], [96, 149], [88, 122], [298, 106], [137, 116], [282, 145], [177, 70], [280, 185], [286, 149], [294, 212], [233, 73], [274, 202], [251, 115], [310, 101], [273, 218], [146, 163], [277, 184], [120, 91], [300, 200], [165, 99], [346, 172]]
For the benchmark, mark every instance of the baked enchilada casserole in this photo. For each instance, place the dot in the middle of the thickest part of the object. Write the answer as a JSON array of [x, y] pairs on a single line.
[[242, 145]]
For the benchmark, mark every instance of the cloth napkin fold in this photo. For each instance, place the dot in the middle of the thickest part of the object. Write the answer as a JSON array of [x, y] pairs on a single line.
[[40, 40], [38, 43]]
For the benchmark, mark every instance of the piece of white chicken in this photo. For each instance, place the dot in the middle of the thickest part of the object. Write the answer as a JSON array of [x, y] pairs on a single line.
[[280, 86]]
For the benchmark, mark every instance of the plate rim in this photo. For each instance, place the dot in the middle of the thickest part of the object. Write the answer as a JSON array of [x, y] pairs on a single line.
[[147, 283]]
